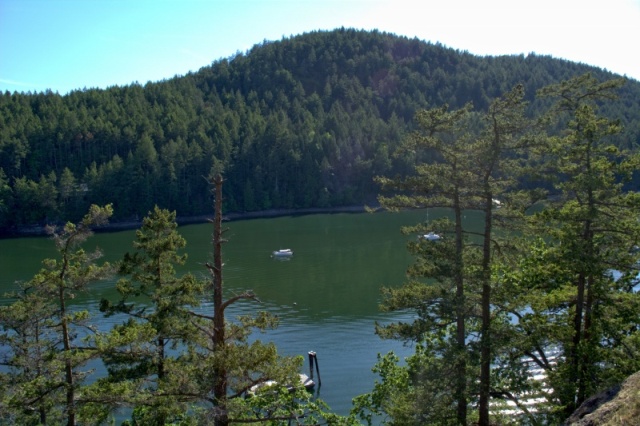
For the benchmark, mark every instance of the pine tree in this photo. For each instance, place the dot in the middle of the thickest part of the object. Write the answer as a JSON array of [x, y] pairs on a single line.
[[46, 335], [157, 301], [458, 171], [500, 151], [437, 184], [225, 367], [593, 229]]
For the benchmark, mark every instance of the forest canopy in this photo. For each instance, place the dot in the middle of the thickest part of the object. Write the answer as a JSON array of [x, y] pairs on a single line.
[[302, 122]]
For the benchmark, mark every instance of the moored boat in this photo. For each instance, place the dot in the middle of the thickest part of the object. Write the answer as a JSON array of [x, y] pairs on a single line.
[[431, 236], [307, 381], [282, 253]]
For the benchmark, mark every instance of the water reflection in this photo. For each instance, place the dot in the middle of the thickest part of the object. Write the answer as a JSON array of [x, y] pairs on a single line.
[[326, 295]]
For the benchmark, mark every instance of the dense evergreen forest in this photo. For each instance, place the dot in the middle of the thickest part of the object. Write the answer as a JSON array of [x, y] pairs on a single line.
[[545, 150], [306, 121]]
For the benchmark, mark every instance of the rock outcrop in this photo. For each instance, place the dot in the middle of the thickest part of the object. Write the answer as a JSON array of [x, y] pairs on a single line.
[[615, 407]]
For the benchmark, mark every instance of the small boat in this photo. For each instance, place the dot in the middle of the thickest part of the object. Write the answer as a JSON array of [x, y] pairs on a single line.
[[431, 236], [306, 381], [282, 253]]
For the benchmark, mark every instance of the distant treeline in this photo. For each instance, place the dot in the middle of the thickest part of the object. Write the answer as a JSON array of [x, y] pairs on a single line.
[[304, 122]]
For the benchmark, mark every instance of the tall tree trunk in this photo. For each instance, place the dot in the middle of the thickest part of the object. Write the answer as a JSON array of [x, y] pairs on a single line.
[[577, 331], [220, 385], [68, 369], [461, 358], [66, 342], [583, 391], [579, 328], [39, 371], [485, 340], [161, 356]]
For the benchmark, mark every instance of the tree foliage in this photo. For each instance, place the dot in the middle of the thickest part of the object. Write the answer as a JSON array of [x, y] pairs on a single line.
[[584, 270], [47, 341], [551, 283], [179, 358], [442, 304], [460, 170], [225, 366], [305, 121], [157, 302], [170, 360]]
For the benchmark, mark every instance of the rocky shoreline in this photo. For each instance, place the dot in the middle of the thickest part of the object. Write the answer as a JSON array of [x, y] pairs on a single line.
[[40, 230]]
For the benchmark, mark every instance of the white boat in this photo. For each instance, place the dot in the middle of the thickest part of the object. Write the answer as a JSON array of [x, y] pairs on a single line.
[[306, 381], [282, 253], [431, 236]]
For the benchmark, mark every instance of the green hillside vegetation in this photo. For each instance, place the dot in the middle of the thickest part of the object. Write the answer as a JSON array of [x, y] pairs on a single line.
[[521, 320], [306, 121], [549, 280]]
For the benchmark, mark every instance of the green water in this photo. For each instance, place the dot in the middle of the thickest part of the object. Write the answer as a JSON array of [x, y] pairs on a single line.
[[326, 295]]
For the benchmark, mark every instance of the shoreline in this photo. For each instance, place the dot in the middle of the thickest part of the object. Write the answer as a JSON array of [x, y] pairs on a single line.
[[39, 230]]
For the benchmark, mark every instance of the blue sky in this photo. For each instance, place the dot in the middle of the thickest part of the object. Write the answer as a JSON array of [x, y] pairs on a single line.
[[65, 45]]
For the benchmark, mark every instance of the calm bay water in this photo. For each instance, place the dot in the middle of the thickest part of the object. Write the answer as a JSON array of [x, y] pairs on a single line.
[[326, 295]]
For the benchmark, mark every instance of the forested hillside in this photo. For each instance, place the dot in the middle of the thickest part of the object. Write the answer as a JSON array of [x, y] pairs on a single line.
[[302, 122]]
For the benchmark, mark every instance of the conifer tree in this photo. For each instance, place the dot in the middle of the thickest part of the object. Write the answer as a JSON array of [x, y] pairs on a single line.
[[27, 340], [465, 172], [224, 366], [437, 184], [597, 217], [212, 365], [500, 150], [579, 280], [157, 302], [47, 337]]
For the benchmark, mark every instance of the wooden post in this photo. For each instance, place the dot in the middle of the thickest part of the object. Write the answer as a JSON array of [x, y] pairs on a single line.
[[313, 358]]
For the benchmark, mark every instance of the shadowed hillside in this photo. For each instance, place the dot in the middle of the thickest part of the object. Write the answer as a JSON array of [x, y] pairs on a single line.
[[304, 122]]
